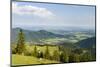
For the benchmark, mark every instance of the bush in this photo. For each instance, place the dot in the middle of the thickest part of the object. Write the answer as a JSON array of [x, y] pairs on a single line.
[[13, 51], [28, 53]]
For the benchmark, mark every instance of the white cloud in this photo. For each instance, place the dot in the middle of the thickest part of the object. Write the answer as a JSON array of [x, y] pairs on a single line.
[[31, 10]]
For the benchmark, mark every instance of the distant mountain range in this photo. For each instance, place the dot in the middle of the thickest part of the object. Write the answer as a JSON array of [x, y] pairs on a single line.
[[34, 35]]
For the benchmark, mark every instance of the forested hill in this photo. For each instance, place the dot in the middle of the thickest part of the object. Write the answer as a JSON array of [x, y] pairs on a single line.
[[87, 43], [34, 35]]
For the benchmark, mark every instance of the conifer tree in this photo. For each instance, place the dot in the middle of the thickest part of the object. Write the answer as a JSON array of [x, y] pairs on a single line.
[[35, 51], [56, 55], [71, 58], [47, 54], [63, 57], [20, 43]]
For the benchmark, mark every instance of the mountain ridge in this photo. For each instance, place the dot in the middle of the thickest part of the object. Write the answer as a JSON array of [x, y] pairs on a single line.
[[31, 35]]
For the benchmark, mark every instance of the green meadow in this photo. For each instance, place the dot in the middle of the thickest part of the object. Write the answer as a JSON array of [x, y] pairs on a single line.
[[27, 60]]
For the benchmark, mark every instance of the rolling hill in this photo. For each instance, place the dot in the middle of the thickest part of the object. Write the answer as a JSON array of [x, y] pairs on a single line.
[[34, 35], [87, 43]]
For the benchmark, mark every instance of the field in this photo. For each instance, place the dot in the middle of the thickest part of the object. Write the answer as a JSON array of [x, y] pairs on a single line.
[[26, 60]]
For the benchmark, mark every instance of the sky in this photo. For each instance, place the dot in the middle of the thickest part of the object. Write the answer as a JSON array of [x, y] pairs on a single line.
[[52, 16]]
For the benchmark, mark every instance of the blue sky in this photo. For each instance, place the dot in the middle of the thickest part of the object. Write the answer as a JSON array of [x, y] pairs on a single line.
[[51, 16]]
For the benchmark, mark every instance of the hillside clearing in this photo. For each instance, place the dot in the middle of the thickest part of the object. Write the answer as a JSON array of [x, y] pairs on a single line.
[[26, 60]]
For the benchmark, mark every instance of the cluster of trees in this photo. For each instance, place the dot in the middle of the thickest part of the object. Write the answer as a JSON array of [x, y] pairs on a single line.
[[57, 55], [62, 55]]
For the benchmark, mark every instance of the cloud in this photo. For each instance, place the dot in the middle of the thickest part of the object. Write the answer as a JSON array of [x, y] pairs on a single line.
[[31, 10]]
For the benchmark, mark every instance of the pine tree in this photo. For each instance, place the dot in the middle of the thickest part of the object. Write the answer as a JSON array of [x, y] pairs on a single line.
[[63, 54], [63, 57], [71, 58], [35, 51], [47, 54], [20, 43], [56, 55]]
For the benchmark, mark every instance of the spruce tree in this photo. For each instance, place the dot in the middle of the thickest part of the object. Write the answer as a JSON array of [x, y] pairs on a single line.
[[63, 57], [56, 55], [72, 58], [35, 51], [47, 54], [20, 43]]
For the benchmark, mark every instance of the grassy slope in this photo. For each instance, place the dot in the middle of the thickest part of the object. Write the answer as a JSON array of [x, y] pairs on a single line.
[[24, 60]]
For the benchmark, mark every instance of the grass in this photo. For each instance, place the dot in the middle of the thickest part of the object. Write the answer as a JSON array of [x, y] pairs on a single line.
[[26, 60]]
